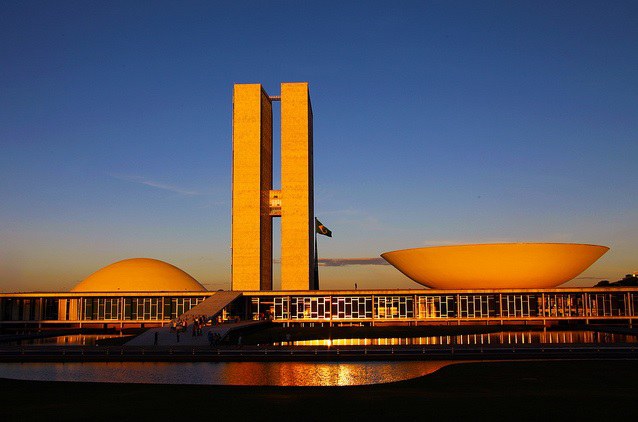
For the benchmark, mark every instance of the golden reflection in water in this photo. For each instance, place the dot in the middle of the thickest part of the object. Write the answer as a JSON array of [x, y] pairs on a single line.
[[67, 340], [500, 338], [323, 373], [319, 373], [291, 374], [327, 373], [225, 373]]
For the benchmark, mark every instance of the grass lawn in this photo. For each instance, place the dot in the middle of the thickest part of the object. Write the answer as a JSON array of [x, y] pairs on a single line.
[[481, 391]]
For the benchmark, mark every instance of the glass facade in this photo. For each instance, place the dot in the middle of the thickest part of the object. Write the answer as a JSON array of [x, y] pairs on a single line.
[[152, 308], [364, 307], [430, 307], [456, 307]]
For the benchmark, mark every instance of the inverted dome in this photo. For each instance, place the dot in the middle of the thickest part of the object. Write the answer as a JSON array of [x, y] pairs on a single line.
[[495, 266], [139, 275]]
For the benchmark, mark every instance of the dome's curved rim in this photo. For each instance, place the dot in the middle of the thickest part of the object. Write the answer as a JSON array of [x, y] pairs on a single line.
[[165, 272], [495, 265], [493, 244]]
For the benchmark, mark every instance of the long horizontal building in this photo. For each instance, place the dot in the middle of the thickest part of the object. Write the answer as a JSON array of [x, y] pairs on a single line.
[[324, 307], [142, 292]]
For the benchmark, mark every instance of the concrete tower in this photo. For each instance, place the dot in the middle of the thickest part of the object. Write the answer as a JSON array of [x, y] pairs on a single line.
[[252, 182], [254, 200]]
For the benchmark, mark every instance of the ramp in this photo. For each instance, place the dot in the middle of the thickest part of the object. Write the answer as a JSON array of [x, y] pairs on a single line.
[[166, 337], [212, 306]]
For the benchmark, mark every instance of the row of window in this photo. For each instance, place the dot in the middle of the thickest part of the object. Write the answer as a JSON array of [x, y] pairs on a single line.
[[363, 307], [143, 308], [453, 306], [92, 309]]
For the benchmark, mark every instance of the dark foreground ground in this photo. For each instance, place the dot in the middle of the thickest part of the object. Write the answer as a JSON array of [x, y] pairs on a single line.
[[574, 390]]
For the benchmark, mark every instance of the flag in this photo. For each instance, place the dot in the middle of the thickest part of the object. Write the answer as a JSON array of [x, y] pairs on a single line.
[[321, 229]]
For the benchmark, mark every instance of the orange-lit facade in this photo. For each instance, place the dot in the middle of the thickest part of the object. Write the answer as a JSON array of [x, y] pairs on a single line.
[[252, 181], [255, 202], [495, 266], [297, 203], [144, 292], [338, 307], [139, 275]]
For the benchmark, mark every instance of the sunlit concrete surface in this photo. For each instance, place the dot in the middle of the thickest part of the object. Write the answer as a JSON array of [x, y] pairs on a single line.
[[255, 202], [139, 275], [252, 181], [495, 266], [166, 337], [297, 207]]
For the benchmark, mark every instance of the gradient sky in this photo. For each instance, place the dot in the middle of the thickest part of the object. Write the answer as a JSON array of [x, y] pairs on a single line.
[[436, 123]]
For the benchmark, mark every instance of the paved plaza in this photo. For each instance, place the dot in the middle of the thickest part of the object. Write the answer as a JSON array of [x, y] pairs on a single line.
[[166, 337]]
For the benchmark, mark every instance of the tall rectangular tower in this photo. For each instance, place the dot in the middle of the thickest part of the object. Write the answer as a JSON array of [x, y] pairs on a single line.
[[297, 204], [252, 181], [254, 200]]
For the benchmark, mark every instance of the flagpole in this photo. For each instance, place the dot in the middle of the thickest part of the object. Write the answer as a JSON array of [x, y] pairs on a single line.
[[319, 229], [316, 280]]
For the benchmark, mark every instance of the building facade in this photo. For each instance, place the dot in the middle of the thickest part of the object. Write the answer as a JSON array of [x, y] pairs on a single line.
[[255, 202], [338, 307]]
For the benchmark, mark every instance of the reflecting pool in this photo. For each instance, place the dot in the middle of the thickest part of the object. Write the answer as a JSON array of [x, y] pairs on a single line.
[[499, 338], [67, 340], [224, 373]]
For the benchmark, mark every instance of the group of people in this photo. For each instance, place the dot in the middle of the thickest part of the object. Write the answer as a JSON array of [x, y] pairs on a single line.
[[198, 325], [180, 325]]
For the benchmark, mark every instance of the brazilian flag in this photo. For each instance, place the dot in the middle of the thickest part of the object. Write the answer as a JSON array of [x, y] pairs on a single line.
[[321, 229]]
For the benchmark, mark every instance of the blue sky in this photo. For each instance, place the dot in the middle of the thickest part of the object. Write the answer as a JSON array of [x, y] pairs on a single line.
[[436, 122]]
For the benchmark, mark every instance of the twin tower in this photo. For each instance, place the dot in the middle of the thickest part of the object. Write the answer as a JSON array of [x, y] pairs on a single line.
[[255, 202]]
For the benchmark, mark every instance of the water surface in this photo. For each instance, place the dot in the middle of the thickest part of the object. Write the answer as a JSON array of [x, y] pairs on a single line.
[[224, 373], [500, 338], [66, 340]]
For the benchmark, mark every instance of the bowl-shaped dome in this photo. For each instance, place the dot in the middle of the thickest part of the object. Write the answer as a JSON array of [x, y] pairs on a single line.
[[139, 275], [495, 266]]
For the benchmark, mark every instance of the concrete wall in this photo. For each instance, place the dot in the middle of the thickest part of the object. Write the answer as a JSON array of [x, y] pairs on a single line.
[[297, 207], [252, 181], [252, 185]]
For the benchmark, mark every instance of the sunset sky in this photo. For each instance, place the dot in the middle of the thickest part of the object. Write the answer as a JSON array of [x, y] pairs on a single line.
[[435, 123]]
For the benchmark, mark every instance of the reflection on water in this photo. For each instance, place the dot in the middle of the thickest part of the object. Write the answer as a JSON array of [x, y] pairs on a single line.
[[69, 340], [504, 338], [224, 373]]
